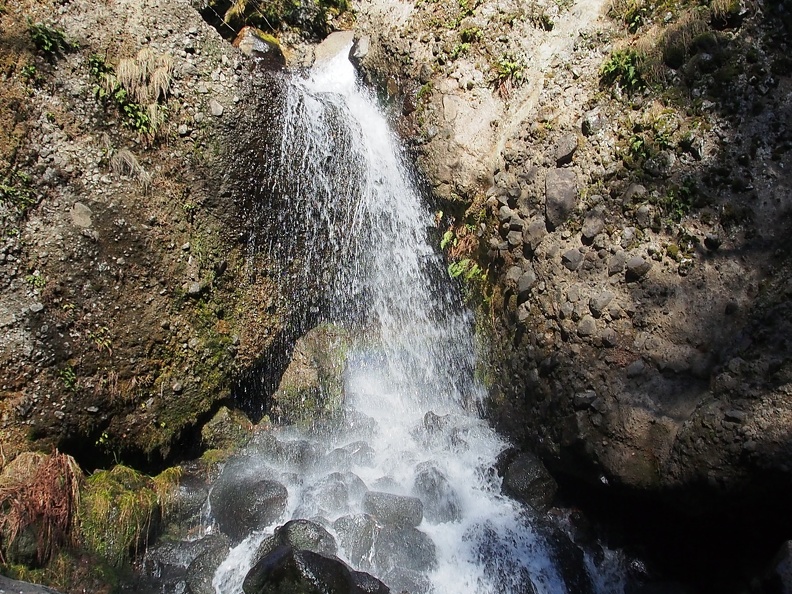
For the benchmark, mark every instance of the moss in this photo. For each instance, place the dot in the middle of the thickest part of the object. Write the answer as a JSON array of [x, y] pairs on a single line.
[[119, 509]]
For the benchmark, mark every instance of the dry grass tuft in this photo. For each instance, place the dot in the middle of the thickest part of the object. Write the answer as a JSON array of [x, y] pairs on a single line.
[[125, 163], [45, 500]]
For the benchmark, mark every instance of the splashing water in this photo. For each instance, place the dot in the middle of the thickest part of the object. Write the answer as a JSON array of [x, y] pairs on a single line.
[[410, 391]]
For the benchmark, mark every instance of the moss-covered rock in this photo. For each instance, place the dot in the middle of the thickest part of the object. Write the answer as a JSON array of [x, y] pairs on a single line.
[[227, 429], [120, 508], [312, 388]]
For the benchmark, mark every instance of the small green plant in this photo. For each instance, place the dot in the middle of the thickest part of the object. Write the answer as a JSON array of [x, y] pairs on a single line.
[[51, 42], [101, 338], [69, 378], [465, 269], [15, 191], [135, 89], [622, 68], [679, 201], [36, 281], [471, 35], [449, 238], [509, 73], [460, 49], [28, 72]]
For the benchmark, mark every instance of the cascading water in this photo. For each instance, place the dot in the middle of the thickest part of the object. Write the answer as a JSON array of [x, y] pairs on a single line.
[[410, 420]]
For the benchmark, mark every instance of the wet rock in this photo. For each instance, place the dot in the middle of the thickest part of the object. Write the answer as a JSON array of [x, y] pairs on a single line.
[[572, 259], [306, 535], [263, 48], [312, 387], [241, 504], [492, 548], [637, 267], [526, 479], [227, 429], [360, 453], [299, 454], [357, 534], [404, 547], [287, 569], [201, 571], [561, 196], [565, 149], [333, 45], [332, 495], [393, 510], [360, 49], [170, 560], [407, 580], [440, 501]]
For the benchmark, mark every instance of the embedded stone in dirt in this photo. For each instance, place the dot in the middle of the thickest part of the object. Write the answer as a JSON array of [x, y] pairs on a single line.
[[561, 195], [81, 215]]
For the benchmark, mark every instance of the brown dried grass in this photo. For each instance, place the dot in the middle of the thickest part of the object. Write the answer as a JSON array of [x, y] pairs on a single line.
[[47, 499]]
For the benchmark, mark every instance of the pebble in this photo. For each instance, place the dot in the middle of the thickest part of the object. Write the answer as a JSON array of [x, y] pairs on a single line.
[[587, 326], [215, 108]]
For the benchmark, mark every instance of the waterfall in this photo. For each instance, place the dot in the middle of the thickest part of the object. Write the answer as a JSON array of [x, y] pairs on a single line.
[[357, 222]]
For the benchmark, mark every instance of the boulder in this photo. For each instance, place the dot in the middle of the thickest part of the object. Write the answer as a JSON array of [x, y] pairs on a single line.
[[357, 534], [440, 501], [18, 587], [565, 149], [287, 569], [561, 195], [526, 479], [393, 510], [202, 569], [227, 429], [333, 45], [312, 386], [241, 504], [407, 548]]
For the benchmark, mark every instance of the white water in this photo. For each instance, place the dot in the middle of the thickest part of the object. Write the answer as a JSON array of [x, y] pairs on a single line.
[[347, 176]]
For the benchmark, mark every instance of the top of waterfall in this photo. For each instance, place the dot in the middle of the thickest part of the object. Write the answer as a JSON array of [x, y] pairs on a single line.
[[333, 45]]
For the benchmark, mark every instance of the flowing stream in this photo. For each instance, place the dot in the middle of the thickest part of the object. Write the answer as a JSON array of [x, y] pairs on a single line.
[[411, 401]]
